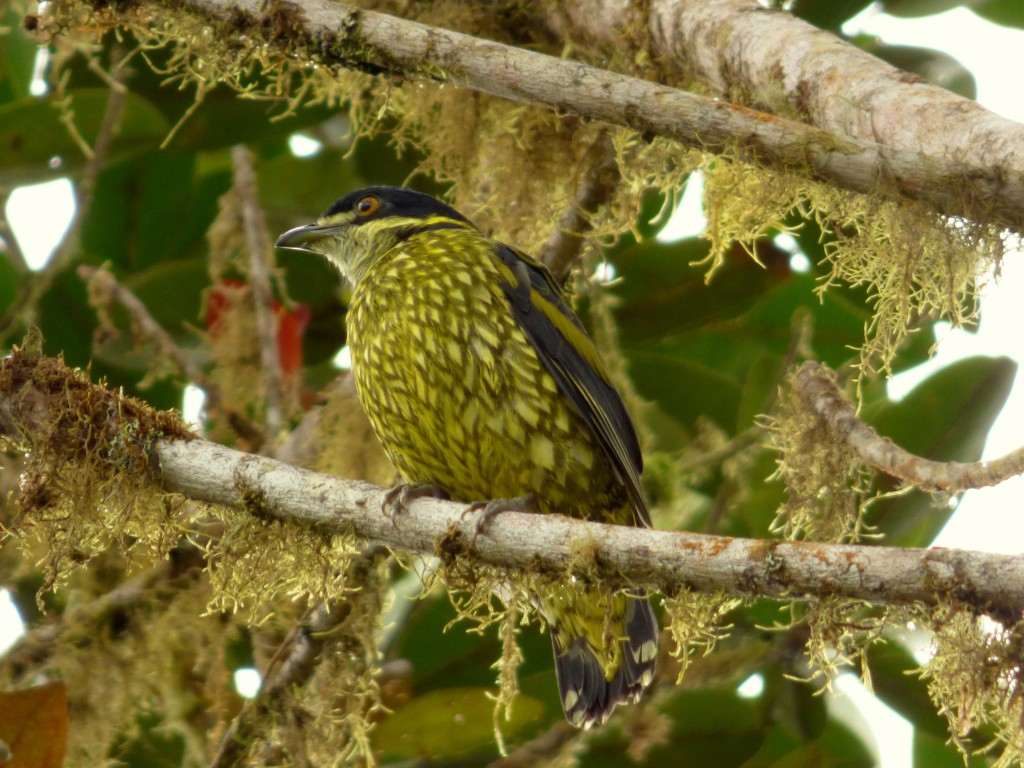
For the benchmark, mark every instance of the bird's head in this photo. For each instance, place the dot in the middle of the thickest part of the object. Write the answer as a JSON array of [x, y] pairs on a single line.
[[362, 226]]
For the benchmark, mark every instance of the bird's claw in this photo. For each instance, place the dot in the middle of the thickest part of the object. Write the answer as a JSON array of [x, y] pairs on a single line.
[[396, 500], [486, 511]]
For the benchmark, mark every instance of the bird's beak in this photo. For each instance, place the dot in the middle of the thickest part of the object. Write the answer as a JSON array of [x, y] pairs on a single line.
[[300, 238]]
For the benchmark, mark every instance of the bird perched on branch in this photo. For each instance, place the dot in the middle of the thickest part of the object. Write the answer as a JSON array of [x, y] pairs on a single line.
[[480, 381]]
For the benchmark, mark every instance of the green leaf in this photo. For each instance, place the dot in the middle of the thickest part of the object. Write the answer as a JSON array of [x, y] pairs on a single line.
[[445, 654], [450, 722], [933, 752], [1009, 13], [172, 292], [716, 351], [895, 682], [9, 279], [934, 66], [17, 58], [713, 728], [31, 133], [915, 8], [828, 14]]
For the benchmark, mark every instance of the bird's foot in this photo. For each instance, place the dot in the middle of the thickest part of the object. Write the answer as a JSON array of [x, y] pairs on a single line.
[[486, 511], [396, 500]]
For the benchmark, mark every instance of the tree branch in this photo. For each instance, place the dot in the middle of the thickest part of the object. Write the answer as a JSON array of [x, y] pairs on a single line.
[[752, 54], [817, 386], [286, 671], [259, 278], [663, 560], [348, 36], [599, 179]]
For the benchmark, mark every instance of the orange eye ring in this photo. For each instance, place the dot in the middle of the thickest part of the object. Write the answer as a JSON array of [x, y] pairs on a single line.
[[367, 206]]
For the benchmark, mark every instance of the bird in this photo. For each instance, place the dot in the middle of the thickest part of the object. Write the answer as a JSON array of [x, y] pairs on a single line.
[[481, 383]]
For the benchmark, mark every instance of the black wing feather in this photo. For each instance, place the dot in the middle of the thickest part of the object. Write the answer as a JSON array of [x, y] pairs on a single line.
[[595, 399]]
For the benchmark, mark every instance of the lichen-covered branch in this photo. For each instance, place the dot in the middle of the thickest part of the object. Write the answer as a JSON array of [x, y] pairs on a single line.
[[817, 386], [665, 560], [344, 35], [751, 54]]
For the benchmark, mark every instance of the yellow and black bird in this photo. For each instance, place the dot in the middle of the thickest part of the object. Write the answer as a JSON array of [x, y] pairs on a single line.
[[480, 380]]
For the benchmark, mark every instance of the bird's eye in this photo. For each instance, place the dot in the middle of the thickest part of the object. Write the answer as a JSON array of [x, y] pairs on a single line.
[[367, 206]]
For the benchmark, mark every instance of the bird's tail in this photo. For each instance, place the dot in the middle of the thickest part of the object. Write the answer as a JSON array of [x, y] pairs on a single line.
[[605, 651]]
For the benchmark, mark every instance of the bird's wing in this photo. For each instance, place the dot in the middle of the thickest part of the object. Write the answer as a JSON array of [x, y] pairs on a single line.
[[569, 355]]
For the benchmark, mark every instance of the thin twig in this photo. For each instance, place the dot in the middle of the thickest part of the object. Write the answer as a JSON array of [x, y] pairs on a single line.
[[105, 290], [260, 253], [817, 386], [600, 177]]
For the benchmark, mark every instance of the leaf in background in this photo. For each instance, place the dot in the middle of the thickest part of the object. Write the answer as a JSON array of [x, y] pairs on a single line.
[[151, 210], [913, 8], [892, 679], [457, 657], [693, 348], [838, 747], [17, 57], [945, 418], [296, 190], [9, 279], [934, 66], [34, 726], [1009, 13], [828, 14], [31, 134], [66, 319], [713, 728], [933, 752], [450, 722]]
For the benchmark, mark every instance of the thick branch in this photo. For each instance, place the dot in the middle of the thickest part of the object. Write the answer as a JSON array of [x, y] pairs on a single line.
[[817, 386], [349, 36], [752, 54], [662, 560]]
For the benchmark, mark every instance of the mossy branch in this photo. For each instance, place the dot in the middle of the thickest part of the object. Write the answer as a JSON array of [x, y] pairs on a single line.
[[663, 560], [346, 36], [668, 561], [765, 56], [816, 385]]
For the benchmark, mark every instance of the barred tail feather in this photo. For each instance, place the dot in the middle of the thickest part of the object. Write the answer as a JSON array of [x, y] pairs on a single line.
[[588, 696]]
